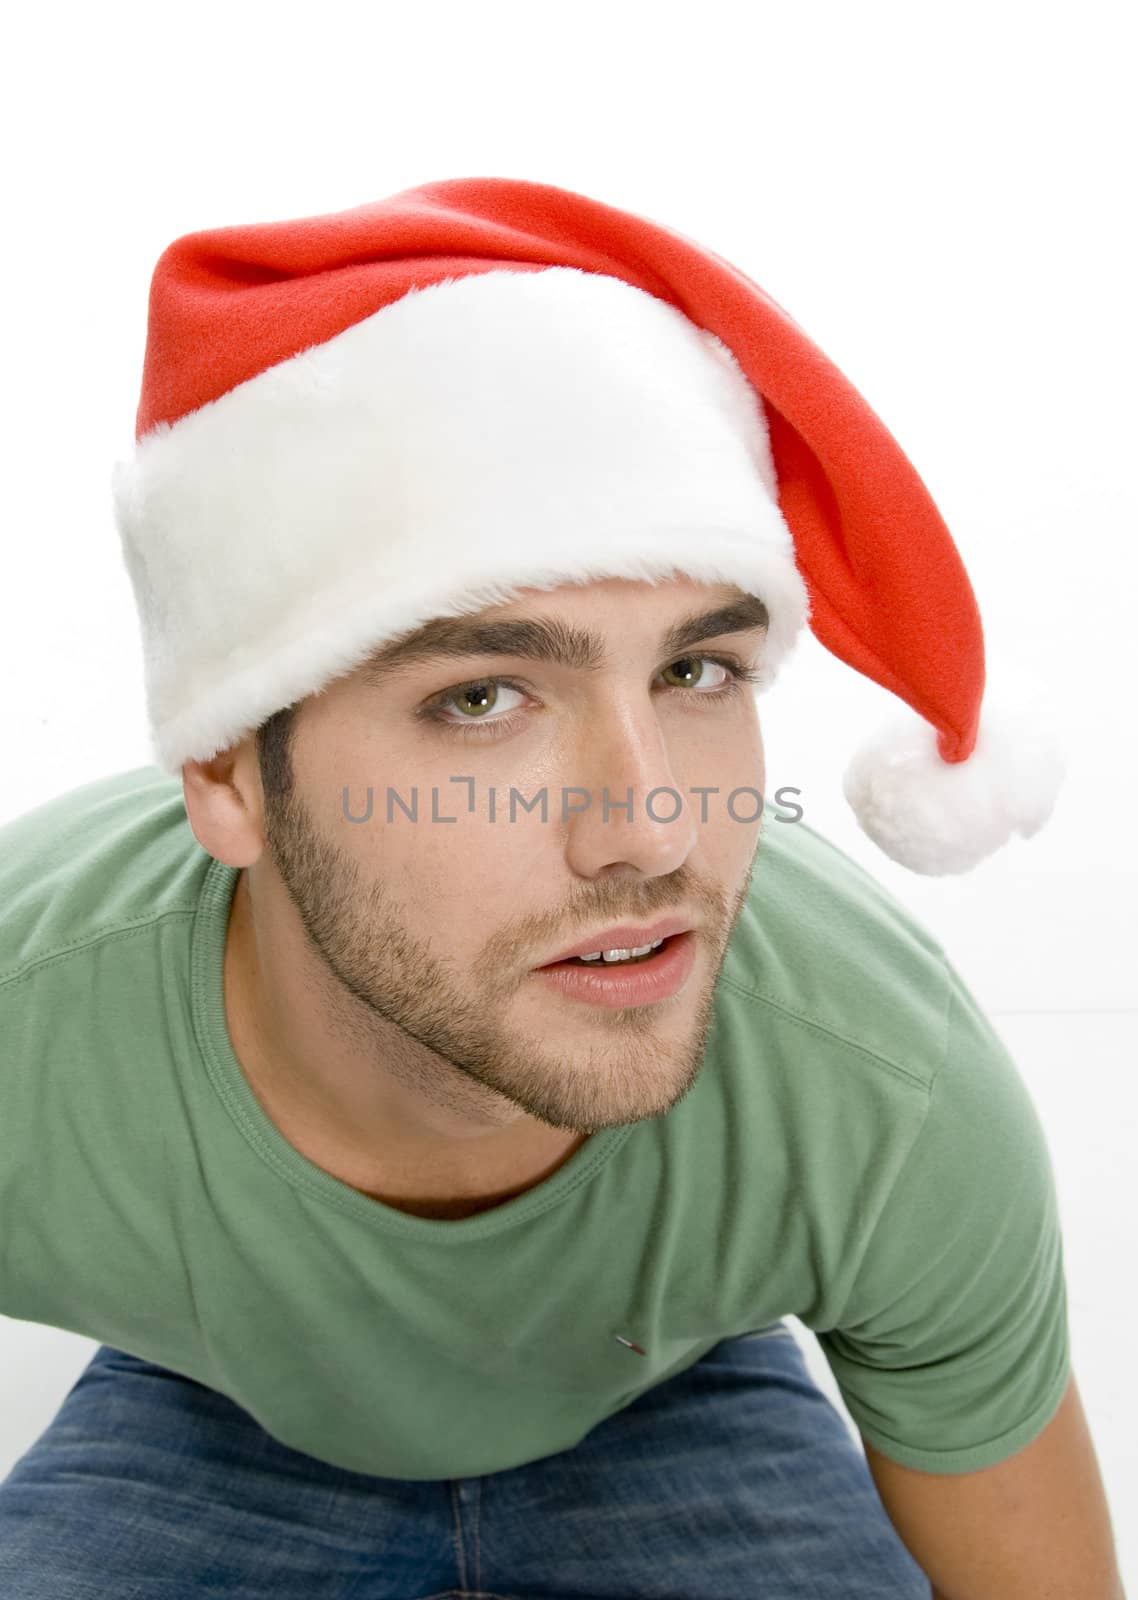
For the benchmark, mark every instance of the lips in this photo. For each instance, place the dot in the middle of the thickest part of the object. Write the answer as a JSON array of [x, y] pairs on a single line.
[[656, 980], [623, 937]]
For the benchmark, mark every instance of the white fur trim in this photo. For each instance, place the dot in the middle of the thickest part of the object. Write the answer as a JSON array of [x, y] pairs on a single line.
[[937, 817], [483, 435]]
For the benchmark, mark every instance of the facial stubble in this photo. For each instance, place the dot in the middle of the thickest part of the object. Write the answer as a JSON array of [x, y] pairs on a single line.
[[373, 974]]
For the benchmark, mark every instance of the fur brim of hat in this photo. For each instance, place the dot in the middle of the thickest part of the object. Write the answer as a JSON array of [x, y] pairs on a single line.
[[477, 437]]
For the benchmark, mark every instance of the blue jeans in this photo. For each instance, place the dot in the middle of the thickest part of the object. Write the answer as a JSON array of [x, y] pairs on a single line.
[[733, 1479]]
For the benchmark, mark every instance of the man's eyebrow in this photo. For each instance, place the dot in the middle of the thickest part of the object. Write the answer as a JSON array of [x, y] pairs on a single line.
[[547, 639]]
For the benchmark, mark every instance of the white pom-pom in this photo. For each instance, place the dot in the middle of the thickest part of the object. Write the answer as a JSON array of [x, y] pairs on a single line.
[[937, 817]]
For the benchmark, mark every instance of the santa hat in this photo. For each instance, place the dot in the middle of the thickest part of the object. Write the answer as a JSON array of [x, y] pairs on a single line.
[[353, 423]]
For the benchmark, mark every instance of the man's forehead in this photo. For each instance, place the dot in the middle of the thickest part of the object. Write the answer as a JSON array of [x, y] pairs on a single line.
[[554, 640]]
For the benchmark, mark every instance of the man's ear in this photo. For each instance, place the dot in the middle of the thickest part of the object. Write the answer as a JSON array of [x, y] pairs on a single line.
[[225, 804]]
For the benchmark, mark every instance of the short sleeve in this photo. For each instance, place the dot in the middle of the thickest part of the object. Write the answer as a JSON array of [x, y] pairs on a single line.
[[952, 1350]]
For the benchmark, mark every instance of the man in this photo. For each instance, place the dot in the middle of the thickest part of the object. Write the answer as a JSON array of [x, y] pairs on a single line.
[[436, 1087]]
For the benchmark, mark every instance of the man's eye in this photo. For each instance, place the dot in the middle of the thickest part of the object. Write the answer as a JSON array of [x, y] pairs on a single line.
[[480, 699], [693, 670], [479, 707]]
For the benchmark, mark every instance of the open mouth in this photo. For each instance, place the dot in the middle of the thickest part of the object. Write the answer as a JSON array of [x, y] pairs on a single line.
[[601, 962], [652, 976]]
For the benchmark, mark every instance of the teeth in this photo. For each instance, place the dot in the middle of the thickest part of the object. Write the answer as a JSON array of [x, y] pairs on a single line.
[[622, 955]]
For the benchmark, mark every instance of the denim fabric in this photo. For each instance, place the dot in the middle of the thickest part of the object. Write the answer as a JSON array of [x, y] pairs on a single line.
[[736, 1478]]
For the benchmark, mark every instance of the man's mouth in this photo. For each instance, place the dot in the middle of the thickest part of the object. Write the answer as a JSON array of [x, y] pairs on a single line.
[[608, 980], [626, 942], [614, 958]]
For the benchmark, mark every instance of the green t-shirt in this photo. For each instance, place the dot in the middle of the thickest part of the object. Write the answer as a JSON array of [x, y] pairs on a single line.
[[859, 1151]]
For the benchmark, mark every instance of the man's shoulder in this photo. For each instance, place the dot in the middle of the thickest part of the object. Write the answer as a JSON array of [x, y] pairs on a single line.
[[103, 859], [824, 948]]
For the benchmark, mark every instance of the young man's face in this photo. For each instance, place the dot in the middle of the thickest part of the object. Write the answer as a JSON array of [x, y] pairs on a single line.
[[438, 926]]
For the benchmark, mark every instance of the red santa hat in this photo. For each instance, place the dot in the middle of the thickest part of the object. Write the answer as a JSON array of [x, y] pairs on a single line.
[[353, 423]]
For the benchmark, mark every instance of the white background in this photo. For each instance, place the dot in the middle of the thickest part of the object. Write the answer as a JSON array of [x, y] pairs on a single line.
[[942, 197]]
